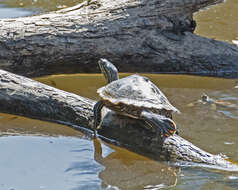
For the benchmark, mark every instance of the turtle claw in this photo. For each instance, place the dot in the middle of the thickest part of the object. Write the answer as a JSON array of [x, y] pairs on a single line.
[[169, 127], [165, 126]]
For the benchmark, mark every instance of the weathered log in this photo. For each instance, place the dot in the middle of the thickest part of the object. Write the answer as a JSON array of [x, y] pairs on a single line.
[[136, 35], [23, 96]]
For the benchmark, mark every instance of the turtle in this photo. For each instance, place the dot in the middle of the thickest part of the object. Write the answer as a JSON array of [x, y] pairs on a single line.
[[205, 99], [221, 103], [134, 96]]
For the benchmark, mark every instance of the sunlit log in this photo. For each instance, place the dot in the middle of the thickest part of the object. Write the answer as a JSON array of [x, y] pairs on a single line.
[[136, 35]]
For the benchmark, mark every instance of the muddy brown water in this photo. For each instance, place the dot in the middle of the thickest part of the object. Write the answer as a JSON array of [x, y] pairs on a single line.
[[219, 22], [46, 156]]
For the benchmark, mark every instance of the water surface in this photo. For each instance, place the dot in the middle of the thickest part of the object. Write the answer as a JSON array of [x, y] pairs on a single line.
[[219, 22], [47, 163], [6, 12]]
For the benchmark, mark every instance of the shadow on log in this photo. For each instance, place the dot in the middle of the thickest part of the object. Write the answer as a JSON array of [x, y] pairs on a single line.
[[137, 35], [23, 96]]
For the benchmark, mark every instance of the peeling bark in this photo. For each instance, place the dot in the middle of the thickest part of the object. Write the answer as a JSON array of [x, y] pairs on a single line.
[[137, 35], [23, 96]]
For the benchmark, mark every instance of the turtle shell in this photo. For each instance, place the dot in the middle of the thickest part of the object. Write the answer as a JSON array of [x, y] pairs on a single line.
[[137, 91]]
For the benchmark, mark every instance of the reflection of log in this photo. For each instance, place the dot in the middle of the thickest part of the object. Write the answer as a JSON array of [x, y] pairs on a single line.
[[133, 173], [136, 35], [23, 96]]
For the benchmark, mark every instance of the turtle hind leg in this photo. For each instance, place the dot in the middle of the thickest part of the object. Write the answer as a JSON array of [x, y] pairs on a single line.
[[97, 116], [165, 126]]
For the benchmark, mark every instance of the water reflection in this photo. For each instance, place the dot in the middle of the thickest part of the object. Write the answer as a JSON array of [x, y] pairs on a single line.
[[126, 170], [78, 164], [88, 164]]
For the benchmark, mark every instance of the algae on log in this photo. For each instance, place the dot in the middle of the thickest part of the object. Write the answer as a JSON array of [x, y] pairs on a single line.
[[23, 96], [136, 35]]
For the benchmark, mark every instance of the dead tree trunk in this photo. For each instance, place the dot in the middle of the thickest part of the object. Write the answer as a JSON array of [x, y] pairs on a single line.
[[23, 96], [136, 35]]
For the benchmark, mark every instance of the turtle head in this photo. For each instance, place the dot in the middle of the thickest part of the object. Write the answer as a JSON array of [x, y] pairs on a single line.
[[109, 70], [205, 97]]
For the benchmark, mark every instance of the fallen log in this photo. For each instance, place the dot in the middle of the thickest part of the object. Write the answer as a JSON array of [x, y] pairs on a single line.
[[23, 96], [137, 35]]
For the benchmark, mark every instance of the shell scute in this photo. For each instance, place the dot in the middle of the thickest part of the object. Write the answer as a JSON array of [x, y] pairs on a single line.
[[137, 91]]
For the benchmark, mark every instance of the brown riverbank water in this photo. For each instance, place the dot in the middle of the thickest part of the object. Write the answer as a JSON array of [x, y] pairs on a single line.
[[219, 22], [46, 156]]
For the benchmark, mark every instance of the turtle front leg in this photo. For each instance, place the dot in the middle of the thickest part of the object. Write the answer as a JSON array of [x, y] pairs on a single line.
[[162, 124], [97, 116]]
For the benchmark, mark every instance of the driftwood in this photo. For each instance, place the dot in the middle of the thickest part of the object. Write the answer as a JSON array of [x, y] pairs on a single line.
[[136, 35], [23, 96]]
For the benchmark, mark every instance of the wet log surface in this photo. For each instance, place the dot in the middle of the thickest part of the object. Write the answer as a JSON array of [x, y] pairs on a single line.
[[23, 96], [137, 35]]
